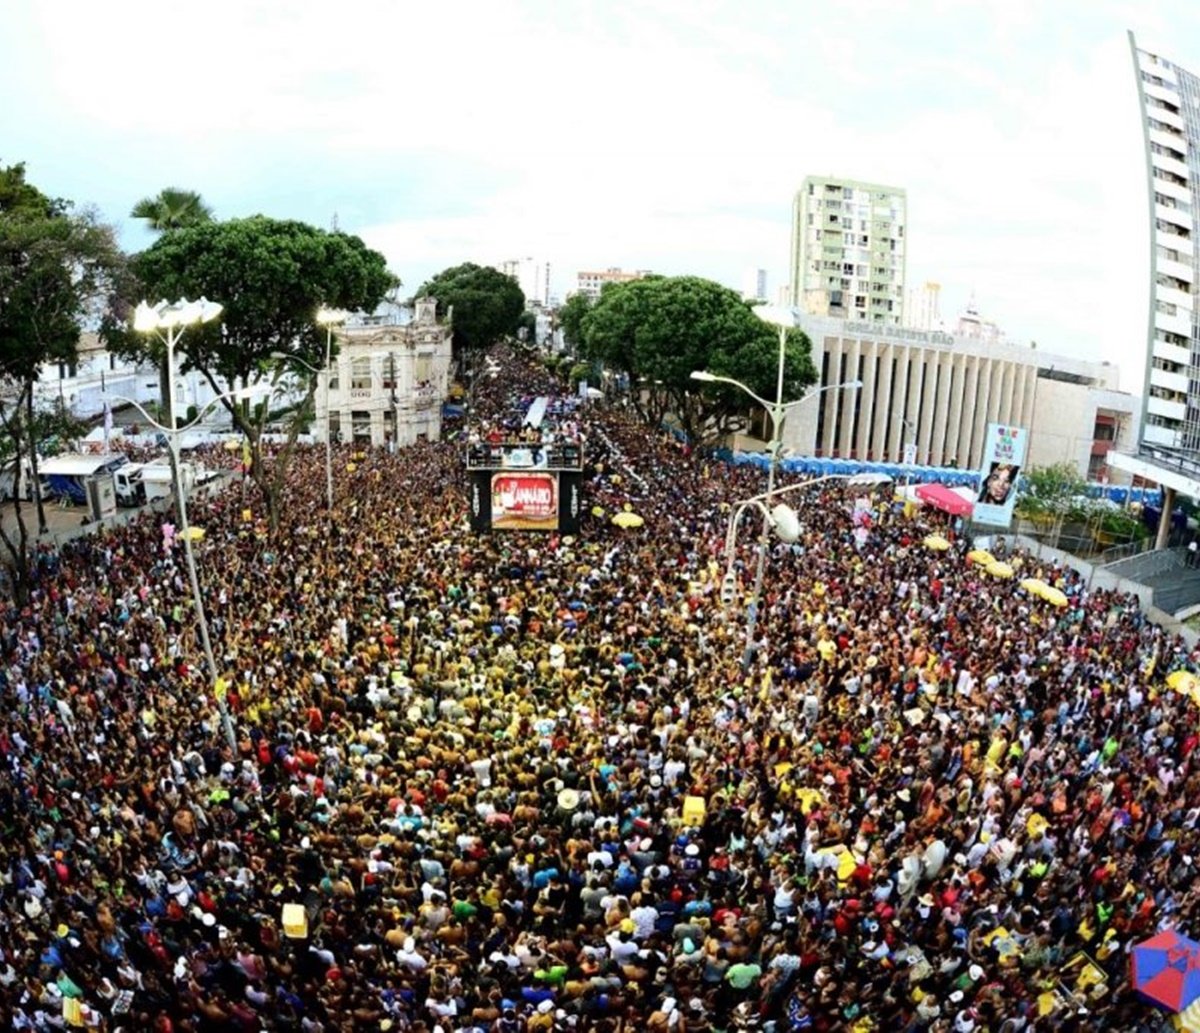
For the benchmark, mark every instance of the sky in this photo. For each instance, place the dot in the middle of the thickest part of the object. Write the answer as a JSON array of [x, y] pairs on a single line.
[[654, 135]]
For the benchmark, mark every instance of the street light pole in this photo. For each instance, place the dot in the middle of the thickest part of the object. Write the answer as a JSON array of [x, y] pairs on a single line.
[[171, 320], [777, 410], [329, 317]]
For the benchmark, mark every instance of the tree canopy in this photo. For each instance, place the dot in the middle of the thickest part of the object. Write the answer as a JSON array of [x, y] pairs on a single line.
[[571, 316], [659, 329], [172, 208], [487, 304], [58, 268], [271, 275]]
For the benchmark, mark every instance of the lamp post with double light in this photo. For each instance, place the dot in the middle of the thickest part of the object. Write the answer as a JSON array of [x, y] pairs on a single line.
[[777, 411], [167, 321], [329, 318]]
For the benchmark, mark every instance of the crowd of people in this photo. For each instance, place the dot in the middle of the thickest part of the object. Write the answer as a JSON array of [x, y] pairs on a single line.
[[522, 782]]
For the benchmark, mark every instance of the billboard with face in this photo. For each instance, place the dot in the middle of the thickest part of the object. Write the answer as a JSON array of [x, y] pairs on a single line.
[[1003, 457]]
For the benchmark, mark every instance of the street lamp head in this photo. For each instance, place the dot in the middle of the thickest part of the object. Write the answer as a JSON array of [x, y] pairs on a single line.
[[853, 385], [331, 316], [703, 375], [776, 315], [167, 315]]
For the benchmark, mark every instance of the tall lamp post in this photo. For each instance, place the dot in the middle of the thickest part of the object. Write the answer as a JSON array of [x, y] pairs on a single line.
[[777, 410], [329, 318], [168, 320]]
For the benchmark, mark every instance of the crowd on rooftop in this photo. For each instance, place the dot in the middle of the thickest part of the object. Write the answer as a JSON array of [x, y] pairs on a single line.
[[522, 782]]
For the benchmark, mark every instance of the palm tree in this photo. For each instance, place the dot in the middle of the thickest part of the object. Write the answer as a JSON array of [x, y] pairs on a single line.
[[172, 209]]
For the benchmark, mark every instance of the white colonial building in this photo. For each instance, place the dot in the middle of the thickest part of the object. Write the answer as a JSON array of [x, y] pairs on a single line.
[[388, 381]]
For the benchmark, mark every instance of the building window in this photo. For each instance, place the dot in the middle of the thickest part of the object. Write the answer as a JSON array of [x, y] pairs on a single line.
[[360, 425], [360, 375], [335, 425]]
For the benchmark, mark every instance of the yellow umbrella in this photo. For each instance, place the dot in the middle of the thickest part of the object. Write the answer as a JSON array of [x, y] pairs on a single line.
[[998, 569], [1054, 596], [1183, 681], [937, 543], [232, 446], [628, 520], [981, 556], [1034, 585], [350, 468], [195, 533], [597, 511]]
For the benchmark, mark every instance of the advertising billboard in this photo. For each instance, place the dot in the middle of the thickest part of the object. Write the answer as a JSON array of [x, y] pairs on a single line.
[[524, 501], [1003, 457]]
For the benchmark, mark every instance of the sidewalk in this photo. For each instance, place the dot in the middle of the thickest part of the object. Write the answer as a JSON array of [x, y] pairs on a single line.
[[66, 523]]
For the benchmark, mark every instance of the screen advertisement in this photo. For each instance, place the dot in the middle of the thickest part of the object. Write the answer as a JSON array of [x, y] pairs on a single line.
[[524, 501], [1003, 457]]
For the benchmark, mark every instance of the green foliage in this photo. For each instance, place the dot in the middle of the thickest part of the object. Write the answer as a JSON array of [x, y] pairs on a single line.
[[571, 316], [272, 276], [1121, 525], [660, 329], [58, 268], [487, 305], [1052, 491], [527, 328], [580, 371], [172, 208]]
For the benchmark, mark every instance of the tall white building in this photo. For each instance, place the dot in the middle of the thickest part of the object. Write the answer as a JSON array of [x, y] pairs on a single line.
[[754, 285], [532, 276], [1170, 108], [922, 307], [848, 250], [1169, 99]]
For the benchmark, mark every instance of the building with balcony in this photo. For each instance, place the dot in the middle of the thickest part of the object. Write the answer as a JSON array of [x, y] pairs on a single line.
[[388, 381], [1169, 100], [848, 250], [1167, 446]]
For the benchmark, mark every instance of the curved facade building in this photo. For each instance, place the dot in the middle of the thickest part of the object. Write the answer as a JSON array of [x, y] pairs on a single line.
[[1170, 107]]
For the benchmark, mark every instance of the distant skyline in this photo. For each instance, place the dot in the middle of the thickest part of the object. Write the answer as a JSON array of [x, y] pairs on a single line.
[[656, 137]]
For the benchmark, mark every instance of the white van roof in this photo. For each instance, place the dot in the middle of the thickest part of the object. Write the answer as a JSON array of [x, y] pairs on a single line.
[[80, 466]]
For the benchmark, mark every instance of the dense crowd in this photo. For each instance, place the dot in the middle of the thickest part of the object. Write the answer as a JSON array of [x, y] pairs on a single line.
[[521, 782]]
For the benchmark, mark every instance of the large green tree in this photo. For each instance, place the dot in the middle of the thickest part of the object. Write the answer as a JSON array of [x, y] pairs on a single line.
[[570, 319], [271, 275], [58, 269], [172, 208], [487, 306], [659, 329]]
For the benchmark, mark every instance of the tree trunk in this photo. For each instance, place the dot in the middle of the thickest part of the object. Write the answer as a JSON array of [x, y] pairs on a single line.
[[33, 459]]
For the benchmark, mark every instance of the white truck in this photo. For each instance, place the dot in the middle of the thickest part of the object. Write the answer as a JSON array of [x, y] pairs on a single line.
[[66, 476], [156, 478]]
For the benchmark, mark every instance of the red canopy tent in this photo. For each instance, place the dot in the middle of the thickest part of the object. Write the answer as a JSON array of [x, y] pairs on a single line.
[[941, 497]]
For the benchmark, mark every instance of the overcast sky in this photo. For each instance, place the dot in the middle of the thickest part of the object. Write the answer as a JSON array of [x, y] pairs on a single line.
[[668, 136]]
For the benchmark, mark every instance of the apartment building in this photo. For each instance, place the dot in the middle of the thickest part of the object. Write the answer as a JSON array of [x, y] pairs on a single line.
[[848, 250]]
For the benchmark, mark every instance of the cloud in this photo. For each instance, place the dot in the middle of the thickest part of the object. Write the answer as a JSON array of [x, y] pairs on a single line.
[[654, 135]]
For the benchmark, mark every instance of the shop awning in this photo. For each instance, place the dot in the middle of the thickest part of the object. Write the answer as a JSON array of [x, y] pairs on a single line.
[[945, 499]]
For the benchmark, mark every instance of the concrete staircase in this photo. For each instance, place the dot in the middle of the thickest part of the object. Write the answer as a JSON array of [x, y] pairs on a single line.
[[1165, 572]]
